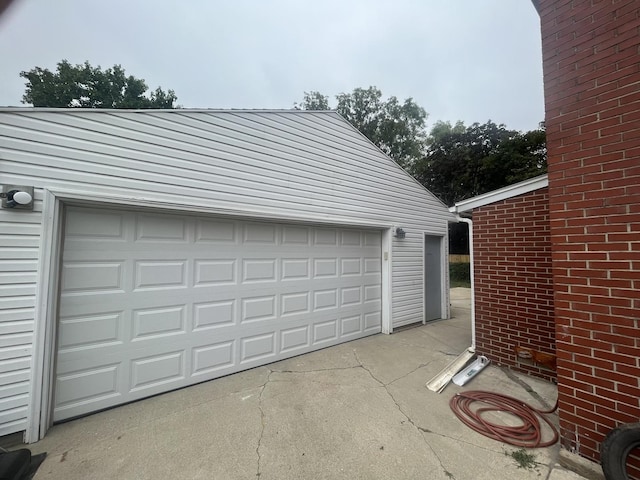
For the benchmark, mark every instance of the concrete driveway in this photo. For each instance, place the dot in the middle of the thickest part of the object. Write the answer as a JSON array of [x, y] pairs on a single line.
[[358, 411]]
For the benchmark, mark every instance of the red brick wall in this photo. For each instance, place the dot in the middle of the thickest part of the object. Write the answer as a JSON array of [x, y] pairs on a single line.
[[514, 294], [591, 52]]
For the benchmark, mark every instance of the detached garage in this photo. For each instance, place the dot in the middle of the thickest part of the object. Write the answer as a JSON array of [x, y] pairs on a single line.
[[152, 250]]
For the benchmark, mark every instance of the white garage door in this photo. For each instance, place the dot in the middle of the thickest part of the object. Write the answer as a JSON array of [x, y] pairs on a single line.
[[151, 303]]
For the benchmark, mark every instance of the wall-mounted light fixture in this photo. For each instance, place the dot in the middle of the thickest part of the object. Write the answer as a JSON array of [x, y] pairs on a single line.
[[398, 232], [18, 197]]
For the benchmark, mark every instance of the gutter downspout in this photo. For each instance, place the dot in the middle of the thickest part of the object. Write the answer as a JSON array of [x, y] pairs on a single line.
[[442, 379], [469, 223]]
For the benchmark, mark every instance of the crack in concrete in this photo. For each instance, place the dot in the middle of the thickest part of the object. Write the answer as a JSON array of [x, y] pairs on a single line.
[[550, 467], [314, 370], [449, 354], [409, 419], [361, 365], [424, 432], [528, 388], [457, 439], [262, 389], [442, 342], [422, 365]]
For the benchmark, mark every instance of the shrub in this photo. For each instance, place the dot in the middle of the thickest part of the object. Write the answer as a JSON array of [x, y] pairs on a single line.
[[460, 274]]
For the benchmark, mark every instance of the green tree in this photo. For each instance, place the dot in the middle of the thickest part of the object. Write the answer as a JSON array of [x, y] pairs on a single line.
[[91, 87], [440, 129], [463, 162], [517, 158], [313, 101], [397, 128]]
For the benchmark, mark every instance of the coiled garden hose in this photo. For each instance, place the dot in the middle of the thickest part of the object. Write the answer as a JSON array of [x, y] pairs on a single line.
[[473, 408]]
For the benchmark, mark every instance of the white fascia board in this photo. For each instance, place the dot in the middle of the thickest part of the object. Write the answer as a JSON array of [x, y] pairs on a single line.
[[510, 191], [151, 111]]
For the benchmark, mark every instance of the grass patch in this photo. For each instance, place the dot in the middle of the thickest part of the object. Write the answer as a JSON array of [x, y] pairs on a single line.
[[456, 284], [524, 460], [459, 275]]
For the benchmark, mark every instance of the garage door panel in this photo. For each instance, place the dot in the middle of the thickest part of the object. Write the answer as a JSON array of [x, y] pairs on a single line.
[[152, 228], [88, 390], [351, 238], [325, 267], [124, 298], [350, 295], [161, 273], [372, 239], [212, 358], [153, 370], [197, 298], [372, 321], [258, 270], [79, 384], [258, 309], [150, 323], [295, 236], [90, 330], [309, 284], [147, 318], [350, 325], [325, 299], [325, 332], [325, 236], [295, 269], [98, 225], [372, 292], [295, 338], [259, 233], [295, 303], [215, 271], [372, 266], [216, 314], [350, 266], [78, 359], [259, 346], [92, 276]]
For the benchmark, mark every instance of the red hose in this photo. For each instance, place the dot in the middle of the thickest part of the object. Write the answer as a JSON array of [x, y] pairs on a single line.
[[471, 408]]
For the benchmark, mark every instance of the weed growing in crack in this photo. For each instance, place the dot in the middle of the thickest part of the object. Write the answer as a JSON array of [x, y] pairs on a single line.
[[523, 459]]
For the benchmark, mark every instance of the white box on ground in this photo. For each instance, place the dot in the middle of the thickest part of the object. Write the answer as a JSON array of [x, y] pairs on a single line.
[[471, 370]]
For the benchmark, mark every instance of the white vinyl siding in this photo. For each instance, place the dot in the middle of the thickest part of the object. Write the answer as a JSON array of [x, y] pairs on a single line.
[[282, 164], [218, 162], [19, 246]]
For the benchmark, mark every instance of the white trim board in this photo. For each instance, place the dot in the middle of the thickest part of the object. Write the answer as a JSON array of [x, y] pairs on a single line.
[[510, 191]]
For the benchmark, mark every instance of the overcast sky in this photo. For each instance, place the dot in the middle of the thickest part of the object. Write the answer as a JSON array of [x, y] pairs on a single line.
[[470, 60]]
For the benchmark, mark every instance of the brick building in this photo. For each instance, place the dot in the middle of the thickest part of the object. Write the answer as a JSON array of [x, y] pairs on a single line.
[[514, 316], [591, 68], [591, 62]]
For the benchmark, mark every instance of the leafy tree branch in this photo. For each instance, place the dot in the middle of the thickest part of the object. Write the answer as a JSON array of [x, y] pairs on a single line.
[[91, 87]]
